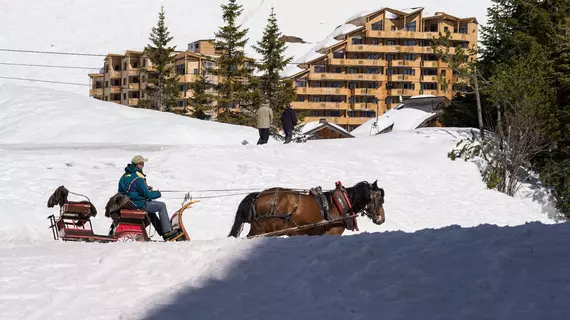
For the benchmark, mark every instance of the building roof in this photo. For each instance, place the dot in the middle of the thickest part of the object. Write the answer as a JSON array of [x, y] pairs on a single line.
[[310, 128]]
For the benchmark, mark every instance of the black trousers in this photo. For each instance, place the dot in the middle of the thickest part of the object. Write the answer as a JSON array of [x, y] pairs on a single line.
[[263, 136], [288, 135]]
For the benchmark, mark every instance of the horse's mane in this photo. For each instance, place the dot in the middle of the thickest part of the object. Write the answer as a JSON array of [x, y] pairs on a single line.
[[359, 195]]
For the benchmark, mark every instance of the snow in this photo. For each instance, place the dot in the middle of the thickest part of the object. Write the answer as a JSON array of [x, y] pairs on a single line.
[[343, 30], [403, 119], [106, 26], [450, 248], [465, 268], [361, 14], [33, 116]]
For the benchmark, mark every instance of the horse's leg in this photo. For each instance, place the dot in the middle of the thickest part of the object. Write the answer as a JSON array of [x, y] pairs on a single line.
[[335, 231]]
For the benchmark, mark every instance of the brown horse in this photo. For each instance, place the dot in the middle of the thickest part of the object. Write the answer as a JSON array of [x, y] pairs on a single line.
[[277, 209]]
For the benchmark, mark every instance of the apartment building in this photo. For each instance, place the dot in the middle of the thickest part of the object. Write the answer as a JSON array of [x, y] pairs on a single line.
[[374, 61], [123, 81]]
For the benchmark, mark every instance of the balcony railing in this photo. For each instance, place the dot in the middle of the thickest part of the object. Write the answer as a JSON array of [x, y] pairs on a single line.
[[95, 92], [414, 35], [347, 76], [319, 105], [115, 89], [113, 74], [430, 92], [369, 92], [430, 64], [133, 101], [358, 62], [134, 86], [324, 91], [187, 78], [425, 78]]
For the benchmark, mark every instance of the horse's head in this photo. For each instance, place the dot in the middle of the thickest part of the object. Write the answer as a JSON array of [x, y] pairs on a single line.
[[374, 209]]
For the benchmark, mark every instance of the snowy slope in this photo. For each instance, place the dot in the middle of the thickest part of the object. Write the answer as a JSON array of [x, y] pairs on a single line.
[[105, 26], [54, 118], [418, 269]]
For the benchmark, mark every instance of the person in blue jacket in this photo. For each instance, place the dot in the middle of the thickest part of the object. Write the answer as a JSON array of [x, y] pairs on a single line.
[[133, 184]]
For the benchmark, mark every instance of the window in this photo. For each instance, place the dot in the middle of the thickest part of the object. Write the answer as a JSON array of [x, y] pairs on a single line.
[[375, 42], [409, 85], [301, 98], [390, 42], [180, 69], [333, 113], [181, 103], [181, 88], [443, 73], [117, 67], [301, 83], [356, 40], [429, 86], [373, 56], [372, 71], [124, 81], [196, 71], [106, 68], [411, 26], [124, 96], [135, 65], [445, 29], [378, 26], [135, 80], [338, 55], [390, 57], [409, 72], [106, 84], [409, 42], [393, 28], [98, 85], [409, 57], [144, 62], [319, 69]]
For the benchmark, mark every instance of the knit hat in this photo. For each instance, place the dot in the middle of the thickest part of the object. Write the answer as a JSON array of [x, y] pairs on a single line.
[[138, 159]]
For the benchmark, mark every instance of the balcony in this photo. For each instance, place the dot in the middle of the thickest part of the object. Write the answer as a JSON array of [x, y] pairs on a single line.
[[430, 92], [187, 78], [412, 63], [113, 74], [425, 78], [319, 105], [414, 35], [404, 92], [369, 106], [130, 73], [115, 89], [95, 92], [358, 62], [401, 34], [364, 48], [134, 86], [369, 92], [430, 64], [347, 76], [324, 91], [133, 101]]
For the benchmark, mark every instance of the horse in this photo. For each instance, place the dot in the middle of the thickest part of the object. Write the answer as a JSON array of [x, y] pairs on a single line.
[[289, 212]]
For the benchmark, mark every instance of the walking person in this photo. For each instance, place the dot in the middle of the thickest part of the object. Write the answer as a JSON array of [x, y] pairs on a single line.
[[264, 120], [288, 121]]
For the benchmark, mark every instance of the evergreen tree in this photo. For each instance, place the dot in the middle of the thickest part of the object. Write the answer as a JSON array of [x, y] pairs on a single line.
[[277, 92], [162, 90], [201, 100], [517, 28], [236, 87]]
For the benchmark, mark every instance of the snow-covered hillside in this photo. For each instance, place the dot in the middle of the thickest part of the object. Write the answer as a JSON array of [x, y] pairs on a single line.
[[402, 269], [105, 26]]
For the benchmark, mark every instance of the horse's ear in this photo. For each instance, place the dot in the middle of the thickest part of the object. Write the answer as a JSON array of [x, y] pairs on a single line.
[[375, 185]]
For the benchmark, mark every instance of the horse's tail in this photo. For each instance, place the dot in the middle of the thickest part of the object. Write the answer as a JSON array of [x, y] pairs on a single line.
[[245, 214]]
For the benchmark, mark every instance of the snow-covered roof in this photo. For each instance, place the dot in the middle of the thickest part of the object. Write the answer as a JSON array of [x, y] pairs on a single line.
[[361, 14], [400, 118], [343, 30], [310, 126]]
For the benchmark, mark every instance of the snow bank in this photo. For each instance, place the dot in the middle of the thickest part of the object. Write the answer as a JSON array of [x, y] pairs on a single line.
[[485, 272], [43, 116]]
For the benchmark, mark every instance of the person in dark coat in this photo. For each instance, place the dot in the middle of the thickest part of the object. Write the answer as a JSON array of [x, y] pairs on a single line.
[[288, 121], [133, 184]]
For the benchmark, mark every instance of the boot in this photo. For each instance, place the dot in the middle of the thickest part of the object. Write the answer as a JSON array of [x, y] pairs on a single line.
[[171, 234]]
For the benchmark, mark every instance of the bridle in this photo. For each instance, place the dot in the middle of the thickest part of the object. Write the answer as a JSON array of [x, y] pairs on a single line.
[[371, 209]]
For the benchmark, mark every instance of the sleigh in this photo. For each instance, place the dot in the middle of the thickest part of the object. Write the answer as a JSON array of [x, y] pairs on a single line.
[[74, 223]]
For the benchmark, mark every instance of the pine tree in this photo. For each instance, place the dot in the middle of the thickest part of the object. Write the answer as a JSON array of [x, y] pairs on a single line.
[[276, 91], [201, 100], [516, 28], [236, 87], [162, 90]]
